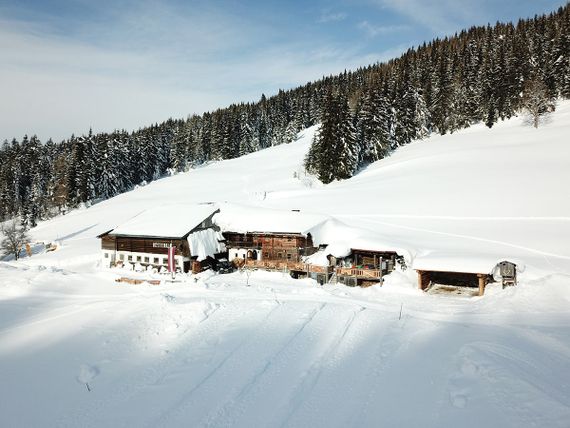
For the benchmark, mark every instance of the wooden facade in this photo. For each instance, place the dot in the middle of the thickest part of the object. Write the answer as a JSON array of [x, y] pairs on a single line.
[[286, 252], [373, 260], [146, 251], [364, 267], [152, 251], [266, 246], [144, 245]]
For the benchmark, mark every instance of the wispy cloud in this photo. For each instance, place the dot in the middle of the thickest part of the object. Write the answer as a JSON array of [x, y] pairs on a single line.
[[331, 17], [152, 63], [376, 30], [439, 16]]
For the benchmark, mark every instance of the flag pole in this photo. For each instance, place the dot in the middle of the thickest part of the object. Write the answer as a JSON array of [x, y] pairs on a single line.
[[172, 261]]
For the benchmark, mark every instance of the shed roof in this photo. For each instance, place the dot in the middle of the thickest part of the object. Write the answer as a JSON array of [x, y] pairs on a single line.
[[458, 262], [166, 221]]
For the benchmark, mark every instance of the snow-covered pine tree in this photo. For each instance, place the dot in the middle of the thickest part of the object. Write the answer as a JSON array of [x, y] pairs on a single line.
[[334, 155], [375, 125], [246, 142]]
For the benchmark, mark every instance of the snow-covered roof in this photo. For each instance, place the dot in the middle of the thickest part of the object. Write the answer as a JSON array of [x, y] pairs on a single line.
[[168, 221], [249, 219], [343, 239], [460, 262]]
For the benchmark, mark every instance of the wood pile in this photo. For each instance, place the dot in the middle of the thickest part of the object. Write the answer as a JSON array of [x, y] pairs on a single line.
[[135, 281]]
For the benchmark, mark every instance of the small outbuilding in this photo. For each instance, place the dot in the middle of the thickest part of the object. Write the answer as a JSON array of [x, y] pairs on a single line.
[[456, 271], [357, 266], [146, 238]]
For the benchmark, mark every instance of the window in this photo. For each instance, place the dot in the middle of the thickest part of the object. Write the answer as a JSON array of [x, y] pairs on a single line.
[[279, 255], [121, 257], [106, 255], [156, 260], [130, 258], [139, 258], [164, 261], [288, 256], [146, 259], [265, 255]]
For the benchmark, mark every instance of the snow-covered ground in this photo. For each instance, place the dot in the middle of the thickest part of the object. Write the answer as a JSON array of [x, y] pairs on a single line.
[[79, 349]]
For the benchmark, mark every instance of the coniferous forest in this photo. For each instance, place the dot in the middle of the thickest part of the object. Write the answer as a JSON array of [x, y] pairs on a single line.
[[484, 74]]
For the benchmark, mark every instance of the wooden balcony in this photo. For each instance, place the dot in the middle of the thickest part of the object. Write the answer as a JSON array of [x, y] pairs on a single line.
[[288, 266], [360, 273]]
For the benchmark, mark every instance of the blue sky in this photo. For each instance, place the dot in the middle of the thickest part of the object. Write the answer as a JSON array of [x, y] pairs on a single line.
[[66, 66]]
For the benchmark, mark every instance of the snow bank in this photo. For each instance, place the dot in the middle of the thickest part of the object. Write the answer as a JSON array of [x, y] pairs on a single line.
[[204, 243]]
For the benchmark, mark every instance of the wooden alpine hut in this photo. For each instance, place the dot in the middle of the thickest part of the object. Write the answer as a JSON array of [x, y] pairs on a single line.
[[145, 240], [268, 238]]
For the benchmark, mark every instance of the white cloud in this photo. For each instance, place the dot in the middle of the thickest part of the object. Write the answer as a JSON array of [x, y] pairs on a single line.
[[376, 30], [135, 72]]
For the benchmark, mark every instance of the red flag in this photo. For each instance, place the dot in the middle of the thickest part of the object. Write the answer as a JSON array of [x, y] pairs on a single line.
[[171, 260]]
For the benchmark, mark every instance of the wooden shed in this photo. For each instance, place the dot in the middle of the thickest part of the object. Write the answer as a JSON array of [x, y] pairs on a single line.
[[457, 272], [146, 238]]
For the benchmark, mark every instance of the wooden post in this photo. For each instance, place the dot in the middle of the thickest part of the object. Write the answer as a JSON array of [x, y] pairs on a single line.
[[421, 285], [482, 283]]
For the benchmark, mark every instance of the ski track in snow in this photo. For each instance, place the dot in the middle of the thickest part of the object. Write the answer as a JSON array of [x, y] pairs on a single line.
[[311, 376], [234, 407], [130, 388], [201, 388]]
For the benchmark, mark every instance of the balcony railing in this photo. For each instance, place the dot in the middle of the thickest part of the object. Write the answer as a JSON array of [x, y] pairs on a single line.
[[360, 272], [304, 267]]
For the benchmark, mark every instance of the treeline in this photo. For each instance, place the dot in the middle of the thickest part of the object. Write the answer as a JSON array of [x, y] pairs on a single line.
[[484, 74], [481, 74]]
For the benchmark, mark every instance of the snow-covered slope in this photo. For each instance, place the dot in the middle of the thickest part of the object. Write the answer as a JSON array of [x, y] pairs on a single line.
[[502, 191], [78, 349]]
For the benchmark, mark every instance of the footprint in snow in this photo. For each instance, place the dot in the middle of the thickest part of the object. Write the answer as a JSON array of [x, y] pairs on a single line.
[[458, 400], [87, 373], [168, 297], [469, 368]]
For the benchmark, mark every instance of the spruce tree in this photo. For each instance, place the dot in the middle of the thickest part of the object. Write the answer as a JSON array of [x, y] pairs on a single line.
[[334, 155]]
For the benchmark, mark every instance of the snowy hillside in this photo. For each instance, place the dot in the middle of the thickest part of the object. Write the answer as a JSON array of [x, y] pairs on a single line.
[[77, 349]]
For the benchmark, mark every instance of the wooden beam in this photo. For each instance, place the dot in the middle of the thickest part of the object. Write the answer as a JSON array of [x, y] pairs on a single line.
[[482, 283], [421, 280]]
